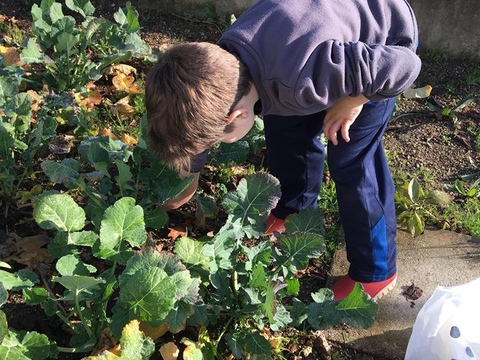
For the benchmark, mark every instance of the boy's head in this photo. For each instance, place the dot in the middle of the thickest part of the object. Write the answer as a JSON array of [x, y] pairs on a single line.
[[190, 94]]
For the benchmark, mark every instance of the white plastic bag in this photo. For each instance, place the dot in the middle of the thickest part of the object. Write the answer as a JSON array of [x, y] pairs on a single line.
[[448, 325]]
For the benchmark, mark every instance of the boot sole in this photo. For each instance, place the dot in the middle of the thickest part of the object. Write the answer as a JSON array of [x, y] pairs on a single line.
[[386, 290]]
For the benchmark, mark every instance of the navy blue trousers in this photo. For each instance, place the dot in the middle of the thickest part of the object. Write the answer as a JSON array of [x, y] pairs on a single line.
[[359, 168]]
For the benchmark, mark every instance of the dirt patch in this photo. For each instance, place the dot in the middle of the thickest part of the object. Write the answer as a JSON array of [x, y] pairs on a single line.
[[422, 140]]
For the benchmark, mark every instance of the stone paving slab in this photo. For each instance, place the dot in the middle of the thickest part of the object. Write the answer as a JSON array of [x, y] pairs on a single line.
[[435, 258]]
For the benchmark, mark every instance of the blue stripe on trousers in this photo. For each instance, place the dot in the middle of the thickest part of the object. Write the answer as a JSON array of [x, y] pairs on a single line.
[[365, 189]]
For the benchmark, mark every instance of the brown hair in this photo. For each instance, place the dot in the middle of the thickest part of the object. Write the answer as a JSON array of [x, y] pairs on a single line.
[[189, 95]]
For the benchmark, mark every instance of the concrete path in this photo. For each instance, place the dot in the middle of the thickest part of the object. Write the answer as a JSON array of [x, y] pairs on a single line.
[[435, 258]]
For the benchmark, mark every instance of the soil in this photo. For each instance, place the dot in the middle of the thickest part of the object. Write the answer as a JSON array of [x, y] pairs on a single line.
[[420, 142]]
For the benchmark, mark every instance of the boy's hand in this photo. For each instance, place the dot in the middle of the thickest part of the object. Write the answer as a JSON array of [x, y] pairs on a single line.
[[341, 116], [186, 195]]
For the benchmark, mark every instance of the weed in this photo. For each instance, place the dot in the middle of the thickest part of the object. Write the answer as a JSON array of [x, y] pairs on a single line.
[[473, 78], [448, 112], [470, 217], [465, 189], [427, 175], [209, 12], [433, 54], [328, 196], [413, 207], [451, 87], [447, 139], [11, 34], [396, 164], [474, 130]]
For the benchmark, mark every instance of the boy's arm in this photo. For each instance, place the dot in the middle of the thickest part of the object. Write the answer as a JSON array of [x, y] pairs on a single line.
[[186, 195], [335, 70]]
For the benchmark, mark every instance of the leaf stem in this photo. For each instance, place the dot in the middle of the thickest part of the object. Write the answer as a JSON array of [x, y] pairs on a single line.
[[65, 320], [68, 350], [91, 195], [224, 330], [80, 315]]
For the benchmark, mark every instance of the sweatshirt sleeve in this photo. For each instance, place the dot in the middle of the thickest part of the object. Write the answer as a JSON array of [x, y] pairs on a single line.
[[335, 70], [197, 162]]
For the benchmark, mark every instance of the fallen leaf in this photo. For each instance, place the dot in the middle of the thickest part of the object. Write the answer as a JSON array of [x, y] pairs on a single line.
[[177, 232], [169, 351], [109, 133], [127, 139], [90, 86], [126, 84], [122, 108], [95, 97], [29, 250], [36, 100], [418, 93], [60, 144], [13, 20], [116, 69], [10, 56]]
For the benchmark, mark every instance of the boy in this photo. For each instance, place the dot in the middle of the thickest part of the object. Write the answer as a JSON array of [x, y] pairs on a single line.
[[307, 66]]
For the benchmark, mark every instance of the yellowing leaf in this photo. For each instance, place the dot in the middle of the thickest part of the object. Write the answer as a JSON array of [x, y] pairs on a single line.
[[10, 55], [192, 350], [106, 343], [130, 341], [276, 342], [154, 332], [169, 351]]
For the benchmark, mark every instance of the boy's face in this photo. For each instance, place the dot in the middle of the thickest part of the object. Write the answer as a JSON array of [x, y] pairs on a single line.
[[241, 126]]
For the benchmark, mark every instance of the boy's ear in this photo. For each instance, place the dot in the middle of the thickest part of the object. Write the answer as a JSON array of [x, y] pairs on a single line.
[[239, 113]]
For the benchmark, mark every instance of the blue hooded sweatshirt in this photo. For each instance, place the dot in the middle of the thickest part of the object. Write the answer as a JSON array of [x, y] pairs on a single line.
[[304, 55]]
